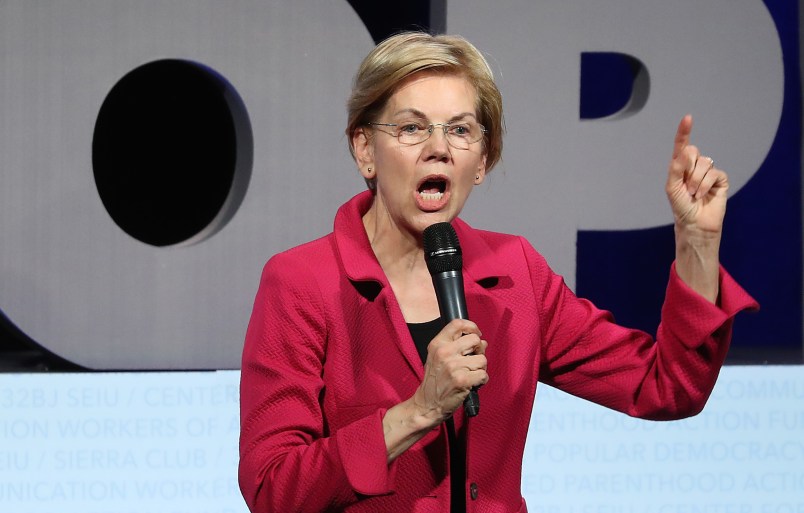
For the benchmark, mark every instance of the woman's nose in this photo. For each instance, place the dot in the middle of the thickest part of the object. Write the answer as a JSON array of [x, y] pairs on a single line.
[[437, 146]]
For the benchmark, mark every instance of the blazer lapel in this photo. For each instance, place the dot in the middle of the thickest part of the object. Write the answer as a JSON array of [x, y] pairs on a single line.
[[368, 278]]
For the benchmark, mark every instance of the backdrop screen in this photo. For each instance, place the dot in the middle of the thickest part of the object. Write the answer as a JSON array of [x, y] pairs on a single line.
[[167, 442]]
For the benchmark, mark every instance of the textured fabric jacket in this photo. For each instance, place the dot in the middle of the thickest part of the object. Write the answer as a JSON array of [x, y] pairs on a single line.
[[328, 352]]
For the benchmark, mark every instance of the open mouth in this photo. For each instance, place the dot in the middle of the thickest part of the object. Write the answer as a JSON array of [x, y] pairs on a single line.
[[432, 189]]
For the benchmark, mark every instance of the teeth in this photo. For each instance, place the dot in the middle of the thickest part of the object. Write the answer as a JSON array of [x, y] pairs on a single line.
[[431, 196]]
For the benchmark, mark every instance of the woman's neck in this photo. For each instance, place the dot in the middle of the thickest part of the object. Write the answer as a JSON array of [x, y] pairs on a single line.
[[398, 250], [401, 257]]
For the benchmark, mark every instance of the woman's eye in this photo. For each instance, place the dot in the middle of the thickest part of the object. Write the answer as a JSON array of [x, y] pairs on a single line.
[[462, 130], [409, 128]]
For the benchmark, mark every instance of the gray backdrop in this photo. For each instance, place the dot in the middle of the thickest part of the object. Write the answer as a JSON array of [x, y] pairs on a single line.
[[76, 283]]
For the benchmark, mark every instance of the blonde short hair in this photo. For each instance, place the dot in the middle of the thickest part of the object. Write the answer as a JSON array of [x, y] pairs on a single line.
[[404, 54]]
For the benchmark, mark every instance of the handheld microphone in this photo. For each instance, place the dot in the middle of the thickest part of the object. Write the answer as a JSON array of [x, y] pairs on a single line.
[[442, 253]]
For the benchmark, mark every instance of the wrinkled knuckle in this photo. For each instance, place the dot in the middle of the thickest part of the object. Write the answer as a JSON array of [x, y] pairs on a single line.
[[442, 351], [453, 368], [458, 324], [463, 381]]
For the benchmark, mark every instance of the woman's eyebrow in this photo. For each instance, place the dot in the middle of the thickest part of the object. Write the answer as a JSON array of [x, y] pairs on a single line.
[[415, 112], [461, 116], [419, 114]]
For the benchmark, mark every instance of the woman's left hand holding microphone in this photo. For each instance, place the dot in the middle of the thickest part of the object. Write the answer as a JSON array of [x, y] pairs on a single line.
[[456, 362]]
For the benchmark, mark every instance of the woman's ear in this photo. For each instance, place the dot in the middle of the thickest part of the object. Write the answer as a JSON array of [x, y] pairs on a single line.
[[364, 153], [481, 171]]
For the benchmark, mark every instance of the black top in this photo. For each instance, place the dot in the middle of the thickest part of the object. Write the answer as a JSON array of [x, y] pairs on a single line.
[[422, 334]]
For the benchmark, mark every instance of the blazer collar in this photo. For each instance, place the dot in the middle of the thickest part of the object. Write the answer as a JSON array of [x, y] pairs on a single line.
[[479, 261], [361, 264], [352, 243]]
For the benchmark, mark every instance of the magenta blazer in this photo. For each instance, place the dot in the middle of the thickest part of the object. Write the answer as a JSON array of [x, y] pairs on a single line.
[[327, 352]]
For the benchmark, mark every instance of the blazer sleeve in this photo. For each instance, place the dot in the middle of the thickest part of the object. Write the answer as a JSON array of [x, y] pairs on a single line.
[[587, 355], [289, 461]]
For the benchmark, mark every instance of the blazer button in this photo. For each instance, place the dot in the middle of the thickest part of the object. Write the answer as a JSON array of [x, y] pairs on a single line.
[[473, 491]]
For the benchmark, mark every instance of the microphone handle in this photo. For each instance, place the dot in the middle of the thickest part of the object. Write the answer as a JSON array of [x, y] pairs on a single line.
[[471, 405], [451, 298], [452, 305]]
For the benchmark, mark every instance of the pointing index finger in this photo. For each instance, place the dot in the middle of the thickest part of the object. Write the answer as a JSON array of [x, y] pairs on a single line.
[[682, 135]]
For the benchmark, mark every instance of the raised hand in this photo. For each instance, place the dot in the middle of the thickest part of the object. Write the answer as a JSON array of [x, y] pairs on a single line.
[[697, 190]]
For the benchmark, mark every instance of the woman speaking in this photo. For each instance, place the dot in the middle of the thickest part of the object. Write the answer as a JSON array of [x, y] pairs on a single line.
[[353, 386]]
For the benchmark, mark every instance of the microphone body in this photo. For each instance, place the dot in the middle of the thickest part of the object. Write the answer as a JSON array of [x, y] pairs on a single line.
[[442, 252], [451, 298]]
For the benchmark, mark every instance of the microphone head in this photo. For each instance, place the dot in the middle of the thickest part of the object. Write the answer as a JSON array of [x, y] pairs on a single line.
[[442, 251]]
